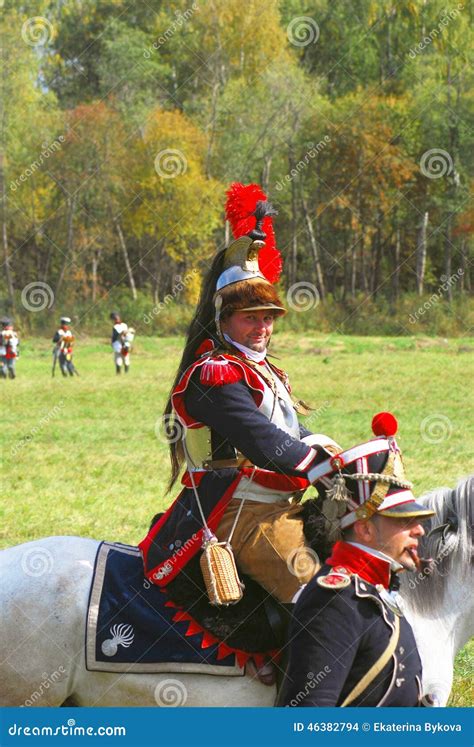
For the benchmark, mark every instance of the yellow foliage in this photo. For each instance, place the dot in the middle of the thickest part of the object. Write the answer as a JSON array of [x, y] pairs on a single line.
[[228, 34], [178, 205]]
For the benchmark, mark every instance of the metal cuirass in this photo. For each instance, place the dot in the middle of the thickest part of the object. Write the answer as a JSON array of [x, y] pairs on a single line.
[[276, 406]]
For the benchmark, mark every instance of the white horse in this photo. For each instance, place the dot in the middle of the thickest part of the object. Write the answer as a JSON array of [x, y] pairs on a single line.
[[44, 589]]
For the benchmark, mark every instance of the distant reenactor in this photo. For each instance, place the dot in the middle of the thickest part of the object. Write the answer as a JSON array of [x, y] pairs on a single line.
[[9, 348], [63, 350], [122, 339]]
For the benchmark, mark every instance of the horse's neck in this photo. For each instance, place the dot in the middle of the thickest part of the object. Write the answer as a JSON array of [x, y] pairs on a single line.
[[448, 627], [458, 609], [436, 646]]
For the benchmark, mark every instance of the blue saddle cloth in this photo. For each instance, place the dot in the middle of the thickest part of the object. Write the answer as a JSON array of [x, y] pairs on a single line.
[[129, 629]]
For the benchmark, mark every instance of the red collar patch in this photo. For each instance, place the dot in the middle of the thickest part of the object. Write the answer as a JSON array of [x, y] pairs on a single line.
[[354, 560]]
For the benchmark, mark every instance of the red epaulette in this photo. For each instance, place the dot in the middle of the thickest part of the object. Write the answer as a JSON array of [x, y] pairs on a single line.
[[219, 371]]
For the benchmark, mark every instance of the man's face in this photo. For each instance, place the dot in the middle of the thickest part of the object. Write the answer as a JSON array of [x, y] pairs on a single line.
[[395, 537], [250, 328]]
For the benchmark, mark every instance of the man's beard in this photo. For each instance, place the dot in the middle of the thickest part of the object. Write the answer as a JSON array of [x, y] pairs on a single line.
[[258, 347]]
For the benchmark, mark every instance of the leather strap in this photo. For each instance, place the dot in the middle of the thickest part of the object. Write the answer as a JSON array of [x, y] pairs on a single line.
[[377, 667], [240, 461]]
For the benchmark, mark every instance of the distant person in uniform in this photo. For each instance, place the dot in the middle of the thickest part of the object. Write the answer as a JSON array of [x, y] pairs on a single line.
[[122, 339], [9, 348], [63, 350], [349, 643]]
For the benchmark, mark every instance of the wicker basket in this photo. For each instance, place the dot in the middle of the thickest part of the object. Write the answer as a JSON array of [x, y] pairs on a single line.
[[220, 573]]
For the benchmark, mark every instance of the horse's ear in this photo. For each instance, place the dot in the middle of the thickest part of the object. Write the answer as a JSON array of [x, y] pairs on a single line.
[[449, 535], [449, 539]]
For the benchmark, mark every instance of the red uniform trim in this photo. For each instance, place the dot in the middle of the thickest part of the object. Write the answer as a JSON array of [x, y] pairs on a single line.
[[181, 557], [305, 464], [186, 479], [266, 478], [223, 650], [354, 560], [276, 481], [236, 365], [144, 545]]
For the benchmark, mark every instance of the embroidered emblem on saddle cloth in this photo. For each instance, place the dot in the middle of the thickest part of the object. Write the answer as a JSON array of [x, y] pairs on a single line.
[[337, 578]]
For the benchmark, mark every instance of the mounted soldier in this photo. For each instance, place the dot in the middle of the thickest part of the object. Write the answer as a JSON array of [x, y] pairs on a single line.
[[122, 339], [349, 643], [232, 421], [63, 350], [9, 348]]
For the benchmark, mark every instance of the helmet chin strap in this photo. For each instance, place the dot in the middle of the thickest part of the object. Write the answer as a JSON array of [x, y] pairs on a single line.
[[217, 317]]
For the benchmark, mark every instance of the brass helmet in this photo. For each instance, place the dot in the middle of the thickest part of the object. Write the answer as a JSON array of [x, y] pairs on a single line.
[[251, 263]]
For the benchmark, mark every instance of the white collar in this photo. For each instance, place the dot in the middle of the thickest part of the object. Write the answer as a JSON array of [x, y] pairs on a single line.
[[252, 354], [394, 566]]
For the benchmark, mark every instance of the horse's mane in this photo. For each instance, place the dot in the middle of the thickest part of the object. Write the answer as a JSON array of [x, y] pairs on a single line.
[[448, 541]]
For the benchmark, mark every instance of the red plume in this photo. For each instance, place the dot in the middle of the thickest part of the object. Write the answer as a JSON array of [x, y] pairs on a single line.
[[241, 203], [384, 424]]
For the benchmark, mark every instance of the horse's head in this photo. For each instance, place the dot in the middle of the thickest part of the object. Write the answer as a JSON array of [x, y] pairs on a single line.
[[438, 597], [449, 539]]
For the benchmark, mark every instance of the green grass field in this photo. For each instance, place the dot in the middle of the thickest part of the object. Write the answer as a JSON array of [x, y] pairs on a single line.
[[87, 456]]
